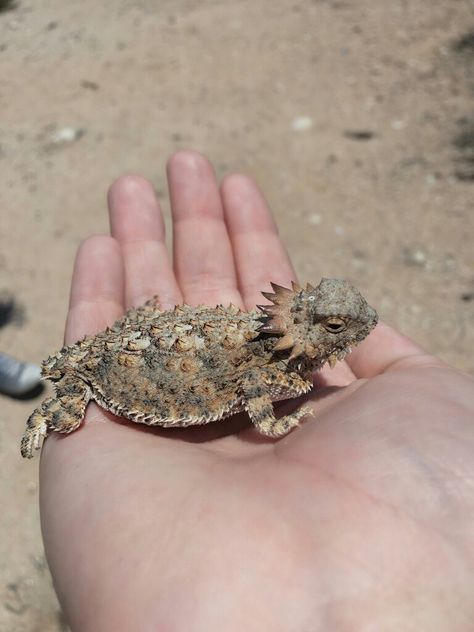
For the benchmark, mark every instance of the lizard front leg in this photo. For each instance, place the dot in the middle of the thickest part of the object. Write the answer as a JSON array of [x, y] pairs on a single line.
[[259, 406]]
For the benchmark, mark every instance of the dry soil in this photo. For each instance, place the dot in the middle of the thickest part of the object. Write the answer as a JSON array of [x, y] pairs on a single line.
[[356, 118]]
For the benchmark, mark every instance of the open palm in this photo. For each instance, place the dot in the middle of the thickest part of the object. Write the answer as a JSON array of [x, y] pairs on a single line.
[[362, 519]]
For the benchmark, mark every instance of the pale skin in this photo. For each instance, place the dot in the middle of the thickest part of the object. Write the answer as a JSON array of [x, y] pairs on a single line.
[[361, 519]]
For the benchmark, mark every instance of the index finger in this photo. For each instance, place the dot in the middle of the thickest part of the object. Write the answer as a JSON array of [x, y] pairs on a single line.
[[96, 298]]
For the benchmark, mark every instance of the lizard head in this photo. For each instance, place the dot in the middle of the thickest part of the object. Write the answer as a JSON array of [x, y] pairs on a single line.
[[322, 323]]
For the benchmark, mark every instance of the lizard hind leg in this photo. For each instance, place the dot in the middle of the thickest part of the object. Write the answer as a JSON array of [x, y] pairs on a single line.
[[62, 413]]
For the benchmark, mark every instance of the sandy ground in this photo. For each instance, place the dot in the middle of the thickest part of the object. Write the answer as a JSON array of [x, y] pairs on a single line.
[[357, 119]]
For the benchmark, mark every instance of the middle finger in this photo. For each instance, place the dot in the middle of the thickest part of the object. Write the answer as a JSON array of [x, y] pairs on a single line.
[[203, 259]]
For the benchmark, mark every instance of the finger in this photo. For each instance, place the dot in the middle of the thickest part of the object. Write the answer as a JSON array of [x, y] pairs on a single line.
[[386, 349], [203, 259], [137, 224], [96, 298], [260, 254]]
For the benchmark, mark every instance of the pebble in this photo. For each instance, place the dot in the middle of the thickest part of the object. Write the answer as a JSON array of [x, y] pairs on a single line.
[[65, 135], [315, 219], [359, 134], [414, 256], [397, 124], [302, 123]]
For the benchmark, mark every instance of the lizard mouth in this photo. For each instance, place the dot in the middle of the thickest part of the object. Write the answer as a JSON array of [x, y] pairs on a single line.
[[337, 356]]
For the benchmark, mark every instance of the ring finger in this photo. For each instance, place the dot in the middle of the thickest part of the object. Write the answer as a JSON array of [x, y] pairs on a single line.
[[260, 254]]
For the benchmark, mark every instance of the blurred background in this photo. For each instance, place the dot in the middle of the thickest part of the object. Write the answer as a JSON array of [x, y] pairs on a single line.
[[356, 118]]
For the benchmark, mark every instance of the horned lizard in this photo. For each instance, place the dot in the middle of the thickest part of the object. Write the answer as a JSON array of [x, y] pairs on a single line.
[[195, 365]]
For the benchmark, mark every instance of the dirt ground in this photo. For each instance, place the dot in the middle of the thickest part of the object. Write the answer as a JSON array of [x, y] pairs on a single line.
[[356, 118]]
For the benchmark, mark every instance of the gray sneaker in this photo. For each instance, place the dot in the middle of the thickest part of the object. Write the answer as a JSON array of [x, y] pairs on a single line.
[[17, 378]]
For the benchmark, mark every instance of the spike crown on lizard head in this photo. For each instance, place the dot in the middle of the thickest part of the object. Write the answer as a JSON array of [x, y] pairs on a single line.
[[322, 323]]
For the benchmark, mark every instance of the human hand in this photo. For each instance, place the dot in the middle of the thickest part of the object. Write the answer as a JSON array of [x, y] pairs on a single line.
[[361, 519]]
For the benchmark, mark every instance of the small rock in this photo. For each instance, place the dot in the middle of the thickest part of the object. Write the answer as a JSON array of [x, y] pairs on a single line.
[[398, 124], [414, 256], [465, 44], [65, 135], [315, 219], [89, 85], [302, 123], [359, 134]]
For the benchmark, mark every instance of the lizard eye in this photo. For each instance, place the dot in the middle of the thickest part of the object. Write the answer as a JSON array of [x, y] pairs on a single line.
[[334, 325]]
